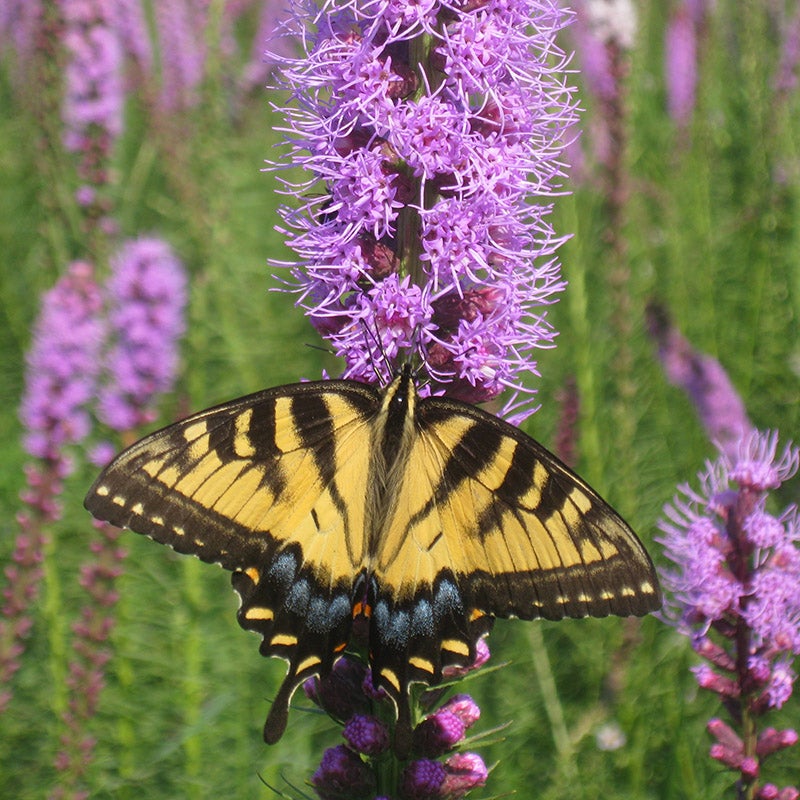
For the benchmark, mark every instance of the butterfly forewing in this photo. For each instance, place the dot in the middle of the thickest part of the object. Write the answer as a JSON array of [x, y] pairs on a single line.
[[530, 538]]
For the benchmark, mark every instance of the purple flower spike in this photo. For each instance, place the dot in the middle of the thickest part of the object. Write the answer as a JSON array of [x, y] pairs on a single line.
[[366, 735], [147, 295], [703, 378], [438, 733], [423, 780], [415, 236], [94, 95], [342, 773], [181, 28], [681, 67], [63, 365], [735, 589], [465, 771]]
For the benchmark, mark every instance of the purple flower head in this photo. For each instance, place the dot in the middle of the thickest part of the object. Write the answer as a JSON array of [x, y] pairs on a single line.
[[424, 131], [735, 589], [94, 93], [753, 570], [181, 26], [465, 708], [423, 780], [465, 771], [681, 65], [438, 733], [146, 296], [63, 364], [342, 773], [703, 378], [366, 734]]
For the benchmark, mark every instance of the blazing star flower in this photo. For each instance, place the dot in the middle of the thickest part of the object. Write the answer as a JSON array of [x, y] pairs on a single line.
[[702, 377], [347, 695], [63, 365], [735, 590], [180, 27], [147, 295], [60, 384], [342, 773], [94, 94], [424, 131], [366, 734], [465, 771], [785, 80], [681, 65]]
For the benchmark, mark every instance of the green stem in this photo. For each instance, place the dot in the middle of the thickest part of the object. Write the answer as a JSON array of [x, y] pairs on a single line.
[[552, 703]]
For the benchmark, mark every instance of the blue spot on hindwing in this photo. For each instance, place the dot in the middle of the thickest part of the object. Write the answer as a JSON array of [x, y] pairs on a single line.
[[324, 615], [422, 620], [447, 600], [393, 626], [282, 570], [298, 597]]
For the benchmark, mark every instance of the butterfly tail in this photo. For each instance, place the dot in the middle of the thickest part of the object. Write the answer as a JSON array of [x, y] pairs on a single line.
[[278, 716], [403, 731]]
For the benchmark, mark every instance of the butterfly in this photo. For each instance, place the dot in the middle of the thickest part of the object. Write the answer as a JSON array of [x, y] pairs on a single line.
[[335, 501]]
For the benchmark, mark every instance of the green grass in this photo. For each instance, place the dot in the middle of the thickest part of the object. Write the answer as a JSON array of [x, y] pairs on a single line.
[[710, 227]]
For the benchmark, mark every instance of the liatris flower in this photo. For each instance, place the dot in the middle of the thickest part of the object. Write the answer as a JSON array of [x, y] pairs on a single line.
[[131, 25], [19, 23], [604, 34], [93, 98], [424, 130], [60, 382], [63, 365], [681, 65], [786, 78], [91, 652], [432, 780], [181, 25], [703, 378], [360, 767], [342, 773], [442, 730], [94, 93], [735, 591], [147, 295]]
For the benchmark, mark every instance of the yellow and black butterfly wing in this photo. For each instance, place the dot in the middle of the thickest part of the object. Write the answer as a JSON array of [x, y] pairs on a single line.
[[259, 485], [488, 523]]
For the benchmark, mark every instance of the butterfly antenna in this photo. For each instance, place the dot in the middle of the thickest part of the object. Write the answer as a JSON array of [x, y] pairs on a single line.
[[422, 367], [377, 345]]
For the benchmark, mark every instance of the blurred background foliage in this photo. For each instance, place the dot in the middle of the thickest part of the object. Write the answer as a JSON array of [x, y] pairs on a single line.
[[698, 211]]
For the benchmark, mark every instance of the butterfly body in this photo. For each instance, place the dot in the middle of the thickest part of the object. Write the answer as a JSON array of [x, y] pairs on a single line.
[[334, 500]]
